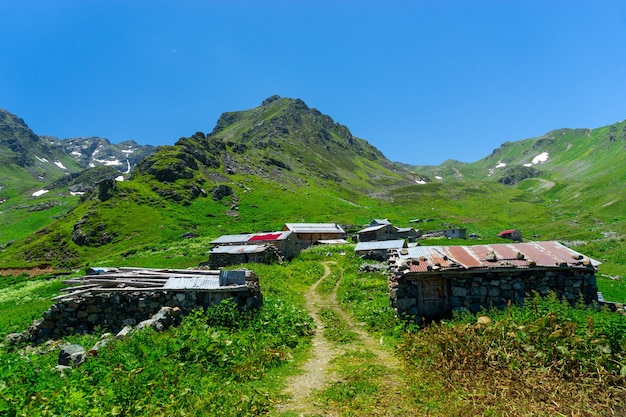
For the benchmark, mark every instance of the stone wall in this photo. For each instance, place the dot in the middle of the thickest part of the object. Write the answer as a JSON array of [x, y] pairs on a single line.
[[112, 311], [268, 256], [472, 291]]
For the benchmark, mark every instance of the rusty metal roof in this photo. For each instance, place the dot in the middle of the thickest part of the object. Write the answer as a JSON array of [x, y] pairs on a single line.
[[508, 255]]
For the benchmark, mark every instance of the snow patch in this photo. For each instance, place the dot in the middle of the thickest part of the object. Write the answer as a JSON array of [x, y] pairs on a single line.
[[120, 178], [420, 182], [76, 193], [41, 159], [542, 157], [40, 192], [438, 177], [128, 167], [500, 164], [75, 153], [128, 150], [112, 162], [60, 164]]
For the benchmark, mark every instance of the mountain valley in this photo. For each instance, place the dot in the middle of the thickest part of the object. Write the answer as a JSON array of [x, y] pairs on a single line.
[[285, 162]]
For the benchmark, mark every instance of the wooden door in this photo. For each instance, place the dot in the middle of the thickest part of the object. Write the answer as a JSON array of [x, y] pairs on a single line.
[[432, 298]]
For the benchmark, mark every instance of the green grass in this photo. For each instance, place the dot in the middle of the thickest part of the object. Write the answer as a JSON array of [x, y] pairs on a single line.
[[335, 327], [216, 363], [24, 299], [222, 360]]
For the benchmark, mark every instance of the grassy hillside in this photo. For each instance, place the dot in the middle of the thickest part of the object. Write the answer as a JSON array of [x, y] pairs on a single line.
[[569, 185]]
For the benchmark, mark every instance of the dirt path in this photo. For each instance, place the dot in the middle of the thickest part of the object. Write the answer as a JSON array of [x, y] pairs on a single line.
[[316, 372]]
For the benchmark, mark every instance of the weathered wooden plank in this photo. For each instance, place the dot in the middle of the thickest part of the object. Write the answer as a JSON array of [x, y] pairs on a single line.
[[72, 294]]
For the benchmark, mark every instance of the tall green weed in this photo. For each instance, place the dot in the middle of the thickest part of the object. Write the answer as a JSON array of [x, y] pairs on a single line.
[[219, 362]]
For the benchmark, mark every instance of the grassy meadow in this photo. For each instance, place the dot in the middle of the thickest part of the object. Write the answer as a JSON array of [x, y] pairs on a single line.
[[545, 359]]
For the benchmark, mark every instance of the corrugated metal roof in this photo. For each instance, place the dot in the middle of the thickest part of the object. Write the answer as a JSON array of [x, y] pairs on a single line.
[[373, 228], [332, 241], [380, 245], [250, 237], [507, 232], [314, 227], [192, 283], [268, 236], [196, 282], [511, 255], [229, 239], [238, 249]]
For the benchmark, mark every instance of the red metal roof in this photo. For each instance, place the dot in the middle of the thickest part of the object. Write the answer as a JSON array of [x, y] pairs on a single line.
[[506, 232], [265, 236]]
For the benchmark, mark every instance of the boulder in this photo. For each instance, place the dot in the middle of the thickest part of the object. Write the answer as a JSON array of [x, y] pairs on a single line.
[[72, 355]]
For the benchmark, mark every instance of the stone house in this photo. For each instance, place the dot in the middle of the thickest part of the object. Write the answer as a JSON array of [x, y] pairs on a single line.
[[458, 233], [309, 234], [379, 232], [408, 233], [285, 242], [221, 256], [430, 282]]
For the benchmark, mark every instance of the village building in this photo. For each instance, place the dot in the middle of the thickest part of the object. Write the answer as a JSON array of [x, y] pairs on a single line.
[[309, 234], [408, 233], [382, 229], [378, 250], [512, 234], [430, 282], [454, 233], [285, 242], [379, 232], [221, 256]]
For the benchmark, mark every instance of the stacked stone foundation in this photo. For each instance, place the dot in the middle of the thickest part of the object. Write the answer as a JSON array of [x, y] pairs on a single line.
[[111, 311], [473, 291]]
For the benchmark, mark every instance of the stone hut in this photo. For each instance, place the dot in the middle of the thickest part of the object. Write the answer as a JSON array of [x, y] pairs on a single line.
[[408, 233], [429, 282], [309, 234], [222, 256], [453, 233], [113, 298], [285, 242], [378, 232]]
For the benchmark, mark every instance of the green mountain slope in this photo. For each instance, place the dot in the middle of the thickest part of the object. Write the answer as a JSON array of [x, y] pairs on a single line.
[[27, 165], [576, 175], [280, 162], [285, 162]]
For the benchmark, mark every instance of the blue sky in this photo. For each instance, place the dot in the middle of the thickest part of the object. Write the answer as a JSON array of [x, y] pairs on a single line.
[[423, 81]]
